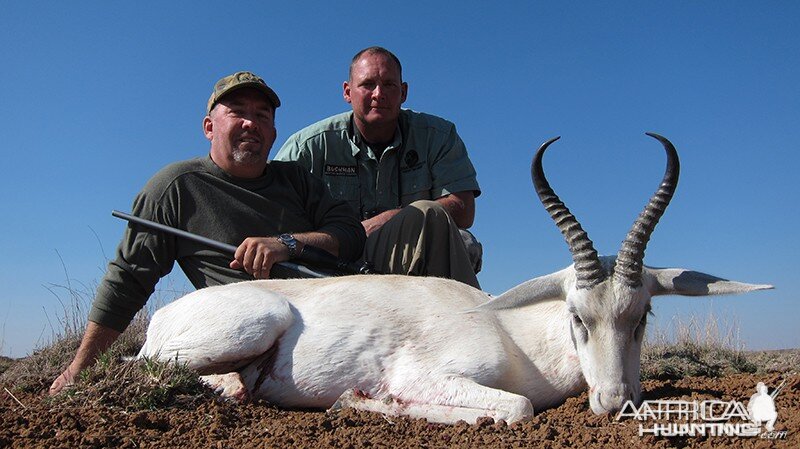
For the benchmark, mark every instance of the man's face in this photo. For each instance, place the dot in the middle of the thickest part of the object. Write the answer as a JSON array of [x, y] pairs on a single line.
[[241, 128], [375, 90]]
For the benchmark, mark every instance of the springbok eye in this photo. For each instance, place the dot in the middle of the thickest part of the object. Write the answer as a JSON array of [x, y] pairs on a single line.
[[578, 329]]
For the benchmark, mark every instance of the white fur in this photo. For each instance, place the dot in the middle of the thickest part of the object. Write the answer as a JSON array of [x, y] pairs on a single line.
[[425, 347]]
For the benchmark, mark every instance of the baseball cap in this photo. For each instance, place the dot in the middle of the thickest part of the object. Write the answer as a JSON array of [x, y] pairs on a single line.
[[237, 81]]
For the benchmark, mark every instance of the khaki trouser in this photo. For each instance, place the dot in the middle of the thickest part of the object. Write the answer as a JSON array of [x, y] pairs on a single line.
[[421, 240]]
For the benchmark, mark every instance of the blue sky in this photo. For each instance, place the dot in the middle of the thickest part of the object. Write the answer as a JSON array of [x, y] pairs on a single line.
[[97, 96]]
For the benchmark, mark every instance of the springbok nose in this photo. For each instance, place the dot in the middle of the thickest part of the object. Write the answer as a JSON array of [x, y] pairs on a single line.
[[612, 400]]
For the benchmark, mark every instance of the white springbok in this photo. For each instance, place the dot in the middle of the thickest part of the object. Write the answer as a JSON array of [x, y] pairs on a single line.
[[437, 348]]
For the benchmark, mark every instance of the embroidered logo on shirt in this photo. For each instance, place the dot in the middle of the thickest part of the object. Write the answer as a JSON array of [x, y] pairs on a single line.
[[411, 159], [340, 170]]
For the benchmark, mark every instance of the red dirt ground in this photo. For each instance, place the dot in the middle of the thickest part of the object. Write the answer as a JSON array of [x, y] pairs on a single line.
[[213, 424]]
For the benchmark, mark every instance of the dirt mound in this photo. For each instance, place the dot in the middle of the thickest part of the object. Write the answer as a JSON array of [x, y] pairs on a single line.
[[31, 422]]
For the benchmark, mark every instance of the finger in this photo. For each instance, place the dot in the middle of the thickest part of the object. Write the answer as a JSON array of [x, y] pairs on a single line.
[[238, 257], [240, 251], [266, 267], [59, 384], [248, 260], [258, 262]]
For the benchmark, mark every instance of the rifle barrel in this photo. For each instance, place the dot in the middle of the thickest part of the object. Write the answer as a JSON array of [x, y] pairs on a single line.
[[224, 247]]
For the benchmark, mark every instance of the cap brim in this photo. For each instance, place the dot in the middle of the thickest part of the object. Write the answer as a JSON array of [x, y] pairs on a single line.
[[266, 90]]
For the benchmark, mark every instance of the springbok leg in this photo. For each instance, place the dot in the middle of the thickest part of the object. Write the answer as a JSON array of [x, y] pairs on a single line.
[[470, 402], [218, 330]]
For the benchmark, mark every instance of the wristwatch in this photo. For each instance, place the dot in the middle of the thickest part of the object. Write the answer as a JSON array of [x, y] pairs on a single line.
[[290, 242]]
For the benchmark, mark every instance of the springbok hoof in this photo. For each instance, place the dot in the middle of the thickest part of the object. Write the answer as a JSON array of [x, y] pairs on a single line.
[[228, 386]]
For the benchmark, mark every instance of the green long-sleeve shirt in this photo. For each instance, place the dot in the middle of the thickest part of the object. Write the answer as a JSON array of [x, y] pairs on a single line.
[[199, 197]]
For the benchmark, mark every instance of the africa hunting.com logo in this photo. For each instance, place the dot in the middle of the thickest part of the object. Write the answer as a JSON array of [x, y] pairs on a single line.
[[674, 418]]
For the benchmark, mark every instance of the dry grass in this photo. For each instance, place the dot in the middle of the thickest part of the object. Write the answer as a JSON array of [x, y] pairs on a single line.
[[112, 380], [707, 347], [778, 361], [140, 384], [5, 363], [37, 371]]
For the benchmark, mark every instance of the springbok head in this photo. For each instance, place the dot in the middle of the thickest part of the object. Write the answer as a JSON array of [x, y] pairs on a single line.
[[608, 298]]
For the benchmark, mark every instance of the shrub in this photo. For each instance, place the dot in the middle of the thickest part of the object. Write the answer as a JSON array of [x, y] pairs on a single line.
[[699, 348], [140, 384]]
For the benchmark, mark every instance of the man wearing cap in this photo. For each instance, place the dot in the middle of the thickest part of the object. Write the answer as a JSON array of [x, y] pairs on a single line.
[[407, 174], [270, 211]]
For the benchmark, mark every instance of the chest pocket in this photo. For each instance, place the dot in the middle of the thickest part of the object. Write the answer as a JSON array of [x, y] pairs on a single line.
[[415, 185], [345, 188]]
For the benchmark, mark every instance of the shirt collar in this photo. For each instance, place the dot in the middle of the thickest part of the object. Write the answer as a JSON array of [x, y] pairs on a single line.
[[359, 144], [247, 183]]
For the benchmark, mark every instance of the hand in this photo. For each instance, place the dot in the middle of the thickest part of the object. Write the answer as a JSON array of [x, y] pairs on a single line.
[[96, 339], [64, 380], [257, 255], [373, 224]]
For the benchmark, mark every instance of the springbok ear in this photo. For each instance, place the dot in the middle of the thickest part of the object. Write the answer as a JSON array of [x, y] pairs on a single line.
[[678, 281], [551, 286]]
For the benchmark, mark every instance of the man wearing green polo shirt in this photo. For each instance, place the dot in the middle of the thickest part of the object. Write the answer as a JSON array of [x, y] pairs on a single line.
[[406, 174]]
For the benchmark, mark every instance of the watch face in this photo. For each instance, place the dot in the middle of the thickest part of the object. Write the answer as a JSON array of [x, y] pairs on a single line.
[[290, 242]]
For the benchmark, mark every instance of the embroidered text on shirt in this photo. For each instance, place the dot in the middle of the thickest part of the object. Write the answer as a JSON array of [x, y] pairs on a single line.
[[340, 170]]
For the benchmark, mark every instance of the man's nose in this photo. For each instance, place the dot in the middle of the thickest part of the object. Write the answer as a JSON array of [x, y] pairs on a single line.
[[249, 123], [377, 93]]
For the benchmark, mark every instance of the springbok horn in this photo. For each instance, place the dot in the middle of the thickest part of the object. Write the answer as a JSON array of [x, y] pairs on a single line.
[[587, 265], [628, 268]]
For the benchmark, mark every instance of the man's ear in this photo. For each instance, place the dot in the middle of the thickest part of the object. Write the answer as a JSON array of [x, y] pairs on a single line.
[[346, 91], [208, 127], [404, 90]]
